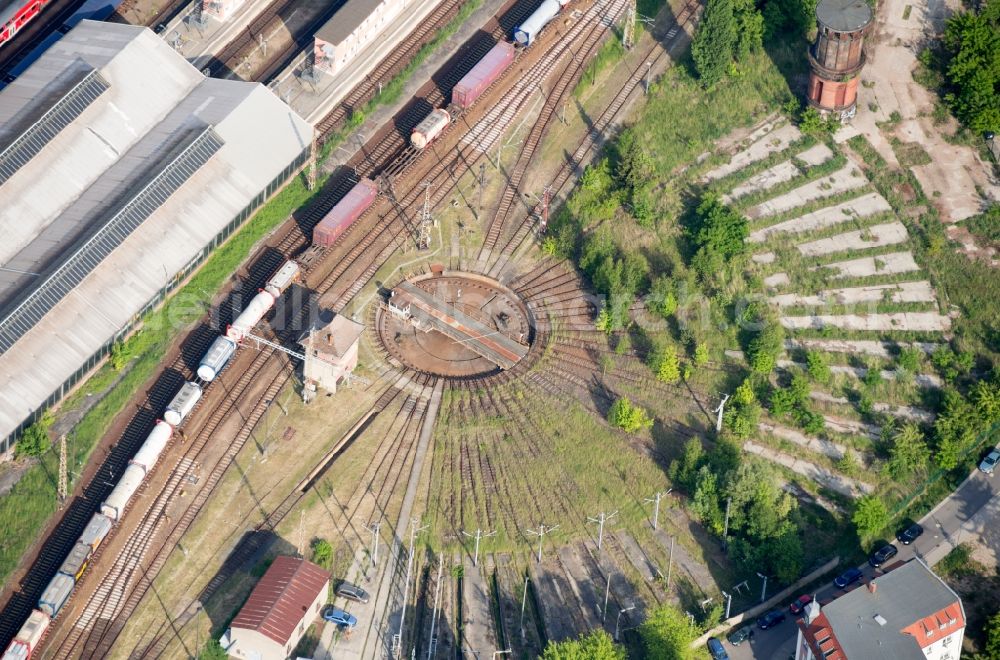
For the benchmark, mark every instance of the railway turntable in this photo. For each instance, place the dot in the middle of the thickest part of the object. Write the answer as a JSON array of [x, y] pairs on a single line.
[[455, 324]]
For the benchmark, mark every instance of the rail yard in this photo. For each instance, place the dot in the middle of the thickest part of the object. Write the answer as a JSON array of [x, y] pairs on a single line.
[[407, 378]]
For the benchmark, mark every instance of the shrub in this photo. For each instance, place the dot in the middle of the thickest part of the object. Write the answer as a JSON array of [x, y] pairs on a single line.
[[628, 417], [870, 516]]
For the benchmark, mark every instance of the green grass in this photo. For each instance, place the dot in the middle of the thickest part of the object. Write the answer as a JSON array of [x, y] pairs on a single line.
[[608, 54], [985, 225], [26, 509]]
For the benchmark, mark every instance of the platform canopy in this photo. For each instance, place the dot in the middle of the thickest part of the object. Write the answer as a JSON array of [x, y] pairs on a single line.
[[121, 166]]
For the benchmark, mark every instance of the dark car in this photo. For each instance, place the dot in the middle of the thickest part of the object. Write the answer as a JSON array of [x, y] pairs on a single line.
[[770, 619], [740, 635], [716, 649], [799, 604], [910, 534], [882, 555], [850, 576], [352, 592]]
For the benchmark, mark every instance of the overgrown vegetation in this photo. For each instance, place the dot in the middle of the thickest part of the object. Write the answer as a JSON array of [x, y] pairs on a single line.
[[596, 645]]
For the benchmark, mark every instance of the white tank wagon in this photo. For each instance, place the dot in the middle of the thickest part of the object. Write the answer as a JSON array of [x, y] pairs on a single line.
[[250, 316], [526, 33], [155, 443], [114, 506], [96, 531], [430, 128], [182, 404], [216, 358], [56, 594], [283, 278]]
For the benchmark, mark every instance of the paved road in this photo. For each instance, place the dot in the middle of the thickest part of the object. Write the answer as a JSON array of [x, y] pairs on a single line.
[[971, 511]]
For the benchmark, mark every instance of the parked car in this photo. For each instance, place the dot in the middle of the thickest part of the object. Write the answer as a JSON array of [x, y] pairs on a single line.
[[990, 462], [740, 635], [850, 576], [882, 555], [340, 617], [770, 619], [352, 592], [716, 649], [799, 604], [910, 534]]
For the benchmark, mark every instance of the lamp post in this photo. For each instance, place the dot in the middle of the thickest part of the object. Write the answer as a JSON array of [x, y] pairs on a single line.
[[619, 620], [763, 589]]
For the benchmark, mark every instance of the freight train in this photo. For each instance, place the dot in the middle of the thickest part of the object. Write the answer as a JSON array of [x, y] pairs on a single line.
[[526, 33], [60, 587], [344, 214]]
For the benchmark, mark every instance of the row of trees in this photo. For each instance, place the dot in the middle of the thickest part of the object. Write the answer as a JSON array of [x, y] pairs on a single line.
[[971, 63], [666, 634]]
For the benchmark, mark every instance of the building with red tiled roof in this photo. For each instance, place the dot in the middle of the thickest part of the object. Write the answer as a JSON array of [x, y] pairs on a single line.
[[282, 606], [907, 613]]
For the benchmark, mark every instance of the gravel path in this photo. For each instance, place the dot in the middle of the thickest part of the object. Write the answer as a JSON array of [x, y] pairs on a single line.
[[902, 292], [847, 178], [859, 207], [890, 233]]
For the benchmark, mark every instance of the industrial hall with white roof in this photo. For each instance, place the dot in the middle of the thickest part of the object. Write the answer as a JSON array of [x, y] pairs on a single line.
[[122, 167]]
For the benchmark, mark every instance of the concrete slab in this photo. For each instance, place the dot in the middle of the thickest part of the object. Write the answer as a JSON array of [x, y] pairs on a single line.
[[823, 476], [776, 280], [898, 293], [882, 349], [859, 207], [890, 233], [479, 636], [763, 258], [822, 446], [907, 321], [845, 179], [883, 264], [765, 143]]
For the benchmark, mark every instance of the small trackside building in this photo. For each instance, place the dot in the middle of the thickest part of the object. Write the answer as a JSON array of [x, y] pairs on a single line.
[[353, 27], [907, 613], [280, 609]]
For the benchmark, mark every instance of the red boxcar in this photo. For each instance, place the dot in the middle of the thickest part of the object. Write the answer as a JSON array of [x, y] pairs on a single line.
[[482, 75], [15, 14], [345, 213]]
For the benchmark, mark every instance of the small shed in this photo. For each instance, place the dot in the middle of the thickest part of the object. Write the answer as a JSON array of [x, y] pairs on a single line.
[[331, 351], [279, 611]]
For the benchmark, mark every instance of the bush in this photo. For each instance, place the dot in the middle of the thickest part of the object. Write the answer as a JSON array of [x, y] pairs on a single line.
[[628, 417], [870, 516], [322, 553], [819, 367], [34, 441]]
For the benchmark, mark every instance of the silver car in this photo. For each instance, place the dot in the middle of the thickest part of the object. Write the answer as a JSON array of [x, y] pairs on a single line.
[[990, 462], [352, 592]]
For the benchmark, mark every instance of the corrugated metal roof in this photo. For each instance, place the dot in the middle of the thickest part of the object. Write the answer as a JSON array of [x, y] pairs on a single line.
[[902, 597], [87, 172], [281, 598], [347, 19]]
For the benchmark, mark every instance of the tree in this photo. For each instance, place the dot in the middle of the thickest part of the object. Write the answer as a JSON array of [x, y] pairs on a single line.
[[870, 516], [705, 502], [596, 645], [819, 367], [972, 50], [665, 363], [628, 417], [684, 472], [909, 452], [765, 347], [744, 394], [991, 650], [749, 28], [986, 397], [715, 41], [322, 552], [788, 16], [604, 322], [34, 441], [662, 299], [700, 354], [667, 634], [955, 429], [720, 230], [212, 650]]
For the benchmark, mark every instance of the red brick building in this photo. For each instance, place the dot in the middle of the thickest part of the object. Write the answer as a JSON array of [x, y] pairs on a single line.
[[838, 55]]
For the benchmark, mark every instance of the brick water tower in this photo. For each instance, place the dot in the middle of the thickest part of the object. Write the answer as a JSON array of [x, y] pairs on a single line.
[[837, 56]]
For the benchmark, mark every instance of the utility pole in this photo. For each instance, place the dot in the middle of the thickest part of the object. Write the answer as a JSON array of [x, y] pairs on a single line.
[[600, 520], [482, 183], [373, 528], [607, 593], [546, 199], [262, 44], [645, 86], [414, 530], [311, 171], [426, 221], [628, 30], [655, 501], [725, 531], [478, 535], [524, 599], [729, 603], [718, 420], [302, 539], [542, 531], [763, 589], [432, 646], [62, 469], [670, 562]]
